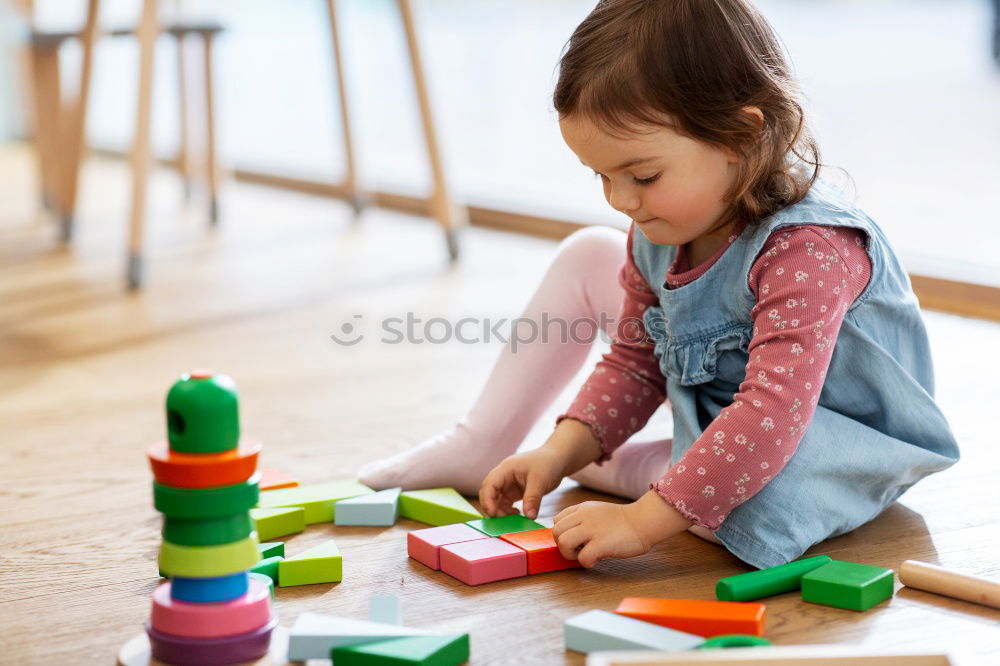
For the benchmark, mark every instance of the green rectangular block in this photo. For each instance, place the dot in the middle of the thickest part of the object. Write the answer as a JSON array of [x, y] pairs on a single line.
[[436, 506], [846, 585], [316, 499], [272, 549], [513, 524], [273, 523], [320, 564], [447, 650], [268, 567], [767, 582]]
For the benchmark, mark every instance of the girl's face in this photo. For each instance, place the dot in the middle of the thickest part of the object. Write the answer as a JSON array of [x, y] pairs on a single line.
[[670, 185]]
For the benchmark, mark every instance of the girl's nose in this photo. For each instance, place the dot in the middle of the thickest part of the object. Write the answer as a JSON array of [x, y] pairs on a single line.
[[623, 200]]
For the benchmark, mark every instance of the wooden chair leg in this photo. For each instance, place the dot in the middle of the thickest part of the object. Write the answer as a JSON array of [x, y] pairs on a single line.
[[210, 165], [45, 87], [358, 199], [72, 134], [451, 216], [147, 34], [183, 148]]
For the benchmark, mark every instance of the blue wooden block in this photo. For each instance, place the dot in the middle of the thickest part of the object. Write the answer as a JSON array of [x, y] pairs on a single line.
[[378, 509], [208, 590], [384, 608], [598, 630]]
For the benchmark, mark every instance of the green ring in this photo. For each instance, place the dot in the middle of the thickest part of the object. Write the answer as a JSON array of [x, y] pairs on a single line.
[[208, 531], [734, 640], [209, 561], [206, 502]]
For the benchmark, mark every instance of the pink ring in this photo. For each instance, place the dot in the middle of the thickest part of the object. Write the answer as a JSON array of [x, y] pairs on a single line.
[[239, 616]]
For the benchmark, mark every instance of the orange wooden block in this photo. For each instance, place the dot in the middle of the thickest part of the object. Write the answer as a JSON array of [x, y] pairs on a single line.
[[272, 479], [543, 554], [704, 618], [203, 470]]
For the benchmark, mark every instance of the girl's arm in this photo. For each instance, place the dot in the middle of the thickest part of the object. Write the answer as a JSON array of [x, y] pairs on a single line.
[[626, 386], [805, 282]]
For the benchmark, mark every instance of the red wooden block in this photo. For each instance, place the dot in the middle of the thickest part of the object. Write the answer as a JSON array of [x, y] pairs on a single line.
[[272, 479], [704, 618], [203, 470], [543, 554], [425, 545], [483, 561]]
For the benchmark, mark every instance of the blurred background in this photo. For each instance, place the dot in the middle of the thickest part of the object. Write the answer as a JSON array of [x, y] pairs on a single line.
[[905, 97]]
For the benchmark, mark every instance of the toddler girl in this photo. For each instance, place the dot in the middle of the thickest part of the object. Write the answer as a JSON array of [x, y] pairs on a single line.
[[768, 312]]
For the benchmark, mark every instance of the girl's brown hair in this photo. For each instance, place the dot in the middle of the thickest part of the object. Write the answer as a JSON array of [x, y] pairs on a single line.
[[693, 65]]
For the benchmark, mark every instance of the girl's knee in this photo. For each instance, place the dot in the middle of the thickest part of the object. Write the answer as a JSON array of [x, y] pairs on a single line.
[[591, 244]]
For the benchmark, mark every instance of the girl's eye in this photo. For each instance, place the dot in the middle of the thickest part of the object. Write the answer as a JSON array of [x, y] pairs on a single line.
[[647, 181]]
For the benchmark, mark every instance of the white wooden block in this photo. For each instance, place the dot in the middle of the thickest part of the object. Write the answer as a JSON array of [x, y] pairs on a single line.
[[384, 608], [379, 509], [600, 630], [786, 655], [313, 635]]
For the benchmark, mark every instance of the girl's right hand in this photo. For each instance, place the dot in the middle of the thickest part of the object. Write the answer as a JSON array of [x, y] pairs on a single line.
[[532, 474], [528, 476]]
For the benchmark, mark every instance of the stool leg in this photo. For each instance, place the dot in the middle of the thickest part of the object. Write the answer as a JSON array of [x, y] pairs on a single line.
[[357, 198], [213, 174], [140, 150], [45, 85], [183, 154]]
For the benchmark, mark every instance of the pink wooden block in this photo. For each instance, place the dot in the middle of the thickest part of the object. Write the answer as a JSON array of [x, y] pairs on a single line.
[[424, 545], [228, 618], [483, 561]]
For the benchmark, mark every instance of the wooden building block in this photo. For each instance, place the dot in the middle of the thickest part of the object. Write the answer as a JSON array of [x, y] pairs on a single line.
[[436, 506], [384, 608], [425, 545], [597, 630], [704, 618], [377, 509], [733, 641], [543, 553], [847, 585], [319, 564], [784, 655], [273, 523], [207, 531], [317, 499], [193, 470], [313, 636], [209, 590], [483, 561], [512, 524], [767, 582], [196, 620], [275, 549], [208, 561], [268, 567], [416, 651], [203, 413], [272, 479], [190, 503], [932, 578]]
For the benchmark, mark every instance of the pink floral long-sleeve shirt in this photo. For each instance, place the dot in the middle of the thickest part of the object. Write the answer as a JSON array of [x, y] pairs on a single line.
[[804, 281]]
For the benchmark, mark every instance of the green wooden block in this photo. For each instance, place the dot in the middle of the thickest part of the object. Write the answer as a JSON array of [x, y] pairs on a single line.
[[268, 567], [320, 564], [207, 531], [847, 585], [263, 580], [273, 523], [767, 582], [317, 499], [436, 506], [272, 549], [203, 414], [495, 527], [423, 650]]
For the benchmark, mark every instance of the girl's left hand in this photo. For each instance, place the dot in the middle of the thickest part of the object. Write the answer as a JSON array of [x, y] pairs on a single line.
[[592, 531]]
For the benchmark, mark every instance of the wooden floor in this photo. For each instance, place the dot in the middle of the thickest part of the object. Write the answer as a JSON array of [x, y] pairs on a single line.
[[85, 367]]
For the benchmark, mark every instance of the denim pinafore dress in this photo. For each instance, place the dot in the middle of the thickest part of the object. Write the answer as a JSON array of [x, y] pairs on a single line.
[[877, 429]]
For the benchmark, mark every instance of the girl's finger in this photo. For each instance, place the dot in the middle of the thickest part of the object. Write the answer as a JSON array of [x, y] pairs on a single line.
[[571, 540], [590, 554], [565, 513]]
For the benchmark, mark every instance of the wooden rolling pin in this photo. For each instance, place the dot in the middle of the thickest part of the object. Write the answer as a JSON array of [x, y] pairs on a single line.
[[932, 578]]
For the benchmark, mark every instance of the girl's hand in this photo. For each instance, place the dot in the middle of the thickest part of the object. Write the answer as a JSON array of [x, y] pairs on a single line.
[[592, 531], [528, 475]]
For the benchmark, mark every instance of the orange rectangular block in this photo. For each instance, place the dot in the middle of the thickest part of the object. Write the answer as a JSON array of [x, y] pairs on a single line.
[[704, 618], [543, 554], [272, 479]]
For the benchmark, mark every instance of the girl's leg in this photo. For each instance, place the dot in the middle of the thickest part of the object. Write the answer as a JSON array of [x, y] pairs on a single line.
[[581, 283]]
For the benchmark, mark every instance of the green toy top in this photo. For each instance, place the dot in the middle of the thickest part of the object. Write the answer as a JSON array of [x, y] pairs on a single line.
[[203, 413]]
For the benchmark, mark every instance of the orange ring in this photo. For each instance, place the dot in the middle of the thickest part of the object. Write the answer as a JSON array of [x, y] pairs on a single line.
[[211, 470]]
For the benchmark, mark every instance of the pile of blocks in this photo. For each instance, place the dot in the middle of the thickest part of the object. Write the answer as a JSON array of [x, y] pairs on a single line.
[[380, 640], [672, 625], [205, 482], [487, 550]]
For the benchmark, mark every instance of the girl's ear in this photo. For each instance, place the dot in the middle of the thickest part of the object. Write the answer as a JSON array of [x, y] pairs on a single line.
[[757, 114]]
